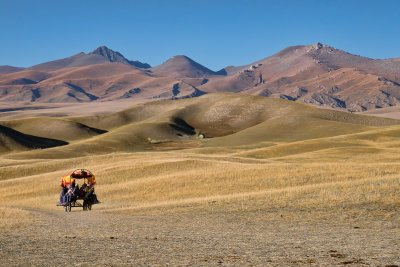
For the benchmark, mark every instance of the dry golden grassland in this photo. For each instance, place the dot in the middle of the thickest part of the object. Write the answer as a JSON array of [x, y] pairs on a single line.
[[14, 218], [331, 177], [192, 207]]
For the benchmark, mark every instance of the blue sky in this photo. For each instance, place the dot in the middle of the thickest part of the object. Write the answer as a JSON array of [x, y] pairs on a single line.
[[214, 33]]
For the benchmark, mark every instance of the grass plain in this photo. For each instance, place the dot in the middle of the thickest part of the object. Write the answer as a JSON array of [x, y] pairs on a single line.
[[301, 186]]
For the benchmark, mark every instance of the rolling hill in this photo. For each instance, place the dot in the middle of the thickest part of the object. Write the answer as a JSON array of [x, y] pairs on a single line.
[[224, 119], [12, 141]]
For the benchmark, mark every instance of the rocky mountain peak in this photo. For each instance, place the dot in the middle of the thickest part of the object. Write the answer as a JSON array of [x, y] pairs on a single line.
[[114, 56], [318, 45], [111, 55]]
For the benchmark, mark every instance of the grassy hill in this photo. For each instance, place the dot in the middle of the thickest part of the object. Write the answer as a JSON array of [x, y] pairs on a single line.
[[225, 120], [12, 140]]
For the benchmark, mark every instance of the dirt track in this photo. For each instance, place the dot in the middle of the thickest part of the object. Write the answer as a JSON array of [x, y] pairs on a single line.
[[196, 238]]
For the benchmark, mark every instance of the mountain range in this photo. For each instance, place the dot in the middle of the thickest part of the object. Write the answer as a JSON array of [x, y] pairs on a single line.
[[315, 74]]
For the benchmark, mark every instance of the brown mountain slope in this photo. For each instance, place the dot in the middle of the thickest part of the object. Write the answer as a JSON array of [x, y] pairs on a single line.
[[336, 59], [298, 58], [100, 55], [390, 112], [182, 67], [318, 75], [9, 69], [108, 81], [77, 60], [23, 77], [344, 88]]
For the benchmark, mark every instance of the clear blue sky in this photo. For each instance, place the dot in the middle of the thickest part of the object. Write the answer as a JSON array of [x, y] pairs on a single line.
[[216, 33]]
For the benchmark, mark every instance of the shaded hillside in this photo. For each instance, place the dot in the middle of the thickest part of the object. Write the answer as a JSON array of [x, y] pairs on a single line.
[[12, 140], [55, 128]]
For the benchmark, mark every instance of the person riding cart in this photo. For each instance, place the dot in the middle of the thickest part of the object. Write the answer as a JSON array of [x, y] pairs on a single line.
[[65, 182]]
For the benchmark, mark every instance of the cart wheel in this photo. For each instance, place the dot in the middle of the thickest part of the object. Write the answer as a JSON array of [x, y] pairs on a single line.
[[69, 207]]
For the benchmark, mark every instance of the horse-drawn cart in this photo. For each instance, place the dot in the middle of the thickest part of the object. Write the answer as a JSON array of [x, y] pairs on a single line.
[[73, 196]]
